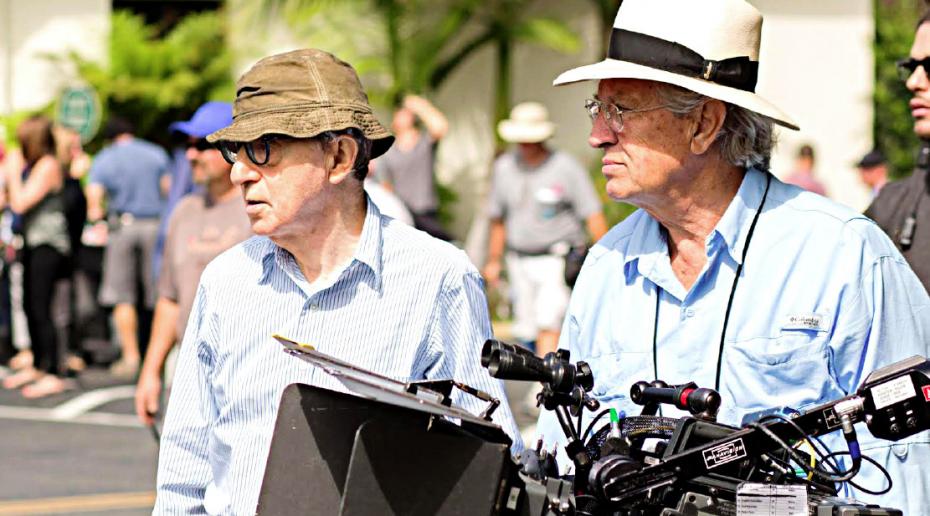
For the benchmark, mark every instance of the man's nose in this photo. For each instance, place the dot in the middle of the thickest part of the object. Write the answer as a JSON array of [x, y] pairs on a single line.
[[601, 134], [241, 174], [918, 80]]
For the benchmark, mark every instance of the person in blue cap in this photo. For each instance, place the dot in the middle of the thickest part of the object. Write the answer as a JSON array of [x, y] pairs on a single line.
[[203, 224]]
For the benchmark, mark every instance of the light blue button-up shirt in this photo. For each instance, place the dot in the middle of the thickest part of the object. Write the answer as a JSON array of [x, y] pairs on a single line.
[[408, 306], [823, 300]]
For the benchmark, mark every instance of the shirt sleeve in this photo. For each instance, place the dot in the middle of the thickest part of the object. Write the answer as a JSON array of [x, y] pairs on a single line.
[[184, 468], [497, 209], [100, 172], [585, 200], [384, 169], [459, 330], [887, 321], [167, 277]]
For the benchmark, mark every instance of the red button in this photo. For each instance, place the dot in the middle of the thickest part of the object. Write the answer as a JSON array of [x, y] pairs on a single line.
[[926, 390]]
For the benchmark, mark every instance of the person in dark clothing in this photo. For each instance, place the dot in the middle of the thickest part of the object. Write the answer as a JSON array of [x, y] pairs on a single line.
[[34, 191], [902, 208]]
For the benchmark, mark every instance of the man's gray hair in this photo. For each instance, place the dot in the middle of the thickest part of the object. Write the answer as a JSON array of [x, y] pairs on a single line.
[[746, 138]]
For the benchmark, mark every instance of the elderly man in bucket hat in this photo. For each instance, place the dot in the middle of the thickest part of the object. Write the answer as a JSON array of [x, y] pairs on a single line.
[[778, 298], [325, 268]]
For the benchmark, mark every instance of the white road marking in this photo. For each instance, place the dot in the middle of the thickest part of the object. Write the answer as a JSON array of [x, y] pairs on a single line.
[[78, 409], [90, 400]]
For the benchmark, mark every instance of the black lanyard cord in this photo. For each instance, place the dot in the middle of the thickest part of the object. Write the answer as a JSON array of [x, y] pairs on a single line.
[[726, 317]]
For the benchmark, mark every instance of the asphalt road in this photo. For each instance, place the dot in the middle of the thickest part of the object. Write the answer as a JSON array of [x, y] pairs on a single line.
[[83, 451]]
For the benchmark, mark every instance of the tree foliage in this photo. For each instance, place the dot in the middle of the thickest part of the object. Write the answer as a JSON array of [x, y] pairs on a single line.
[[154, 81], [893, 127]]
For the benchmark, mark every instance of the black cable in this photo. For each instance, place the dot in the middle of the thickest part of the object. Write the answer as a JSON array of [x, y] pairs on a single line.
[[578, 428], [877, 465], [739, 270], [566, 426], [824, 457], [599, 415], [828, 458], [799, 460]]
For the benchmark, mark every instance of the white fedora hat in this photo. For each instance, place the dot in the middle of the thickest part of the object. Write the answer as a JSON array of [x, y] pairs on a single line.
[[710, 47], [528, 123]]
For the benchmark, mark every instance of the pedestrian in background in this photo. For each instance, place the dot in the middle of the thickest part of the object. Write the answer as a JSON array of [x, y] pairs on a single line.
[[35, 184], [542, 201], [407, 169], [873, 171], [902, 208], [132, 175], [803, 173], [202, 225]]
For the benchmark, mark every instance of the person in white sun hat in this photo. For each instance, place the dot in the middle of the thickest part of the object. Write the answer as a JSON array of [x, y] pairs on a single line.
[[542, 201], [725, 276]]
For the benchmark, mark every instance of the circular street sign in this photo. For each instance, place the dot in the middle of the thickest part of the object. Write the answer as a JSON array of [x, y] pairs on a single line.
[[79, 109]]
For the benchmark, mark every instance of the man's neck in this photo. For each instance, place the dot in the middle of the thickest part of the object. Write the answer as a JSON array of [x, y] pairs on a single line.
[[221, 190], [329, 242], [535, 155], [691, 216]]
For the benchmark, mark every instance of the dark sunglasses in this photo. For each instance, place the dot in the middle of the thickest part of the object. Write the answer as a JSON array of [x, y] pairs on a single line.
[[907, 66], [201, 144], [258, 150]]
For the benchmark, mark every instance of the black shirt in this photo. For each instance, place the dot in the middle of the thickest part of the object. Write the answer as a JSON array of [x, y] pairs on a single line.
[[894, 204]]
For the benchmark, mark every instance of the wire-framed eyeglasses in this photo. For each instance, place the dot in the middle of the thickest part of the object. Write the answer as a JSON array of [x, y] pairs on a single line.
[[613, 114]]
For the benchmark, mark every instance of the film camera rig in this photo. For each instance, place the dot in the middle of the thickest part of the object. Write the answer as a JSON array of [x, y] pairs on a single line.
[[648, 464]]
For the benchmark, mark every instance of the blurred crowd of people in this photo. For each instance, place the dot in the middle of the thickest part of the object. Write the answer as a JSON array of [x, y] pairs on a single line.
[[102, 256]]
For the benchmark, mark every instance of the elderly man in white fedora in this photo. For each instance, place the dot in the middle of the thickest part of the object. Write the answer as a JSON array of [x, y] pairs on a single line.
[[541, 202], [725, 276]]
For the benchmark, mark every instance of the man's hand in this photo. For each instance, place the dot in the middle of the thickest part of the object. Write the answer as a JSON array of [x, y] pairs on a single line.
[[148, 392], [492, 273]]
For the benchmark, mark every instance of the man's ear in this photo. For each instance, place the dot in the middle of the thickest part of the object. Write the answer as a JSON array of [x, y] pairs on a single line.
[[709, 123], [341, 162]]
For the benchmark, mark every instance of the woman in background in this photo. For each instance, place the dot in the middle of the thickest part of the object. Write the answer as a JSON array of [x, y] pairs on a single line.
[[34, 191]]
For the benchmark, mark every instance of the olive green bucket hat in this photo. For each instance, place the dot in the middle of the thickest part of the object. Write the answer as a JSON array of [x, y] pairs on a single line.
[[302, 94]]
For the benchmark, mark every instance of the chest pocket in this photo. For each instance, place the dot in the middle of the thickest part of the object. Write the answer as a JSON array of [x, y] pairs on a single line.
[[794, 369], [616, 371]]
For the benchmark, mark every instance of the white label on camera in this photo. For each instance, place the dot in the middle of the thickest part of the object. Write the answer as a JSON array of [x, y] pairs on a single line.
[[513, 498], [893, 391], [771, 500]]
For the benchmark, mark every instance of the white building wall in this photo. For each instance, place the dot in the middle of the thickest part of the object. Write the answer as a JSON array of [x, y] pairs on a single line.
[[817, 64], [30, 29]]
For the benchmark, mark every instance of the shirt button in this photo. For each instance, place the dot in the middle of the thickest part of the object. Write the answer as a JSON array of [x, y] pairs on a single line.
[[314, 307], [689, 312]]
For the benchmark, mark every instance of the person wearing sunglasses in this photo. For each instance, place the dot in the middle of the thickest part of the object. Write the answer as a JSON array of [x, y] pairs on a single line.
[[325, 268], [902, 208], [202, 225]]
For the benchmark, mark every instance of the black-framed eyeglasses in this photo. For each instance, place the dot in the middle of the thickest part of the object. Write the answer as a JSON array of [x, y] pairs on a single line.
[[613, 114], [258, 150], [200, 144], [906, 67]]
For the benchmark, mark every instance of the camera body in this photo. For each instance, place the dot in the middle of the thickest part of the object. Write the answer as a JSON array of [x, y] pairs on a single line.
[[651, 465]]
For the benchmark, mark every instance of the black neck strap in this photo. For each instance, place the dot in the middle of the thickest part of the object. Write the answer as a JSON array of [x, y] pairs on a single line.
[[726, 316], [643, 49]]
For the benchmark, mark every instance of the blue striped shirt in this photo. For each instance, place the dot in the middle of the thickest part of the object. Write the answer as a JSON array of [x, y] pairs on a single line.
[[407, 306]]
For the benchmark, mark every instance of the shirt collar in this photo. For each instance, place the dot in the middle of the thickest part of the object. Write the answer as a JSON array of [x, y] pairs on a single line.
[[648, 242], [733, 227], [368, 252]]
